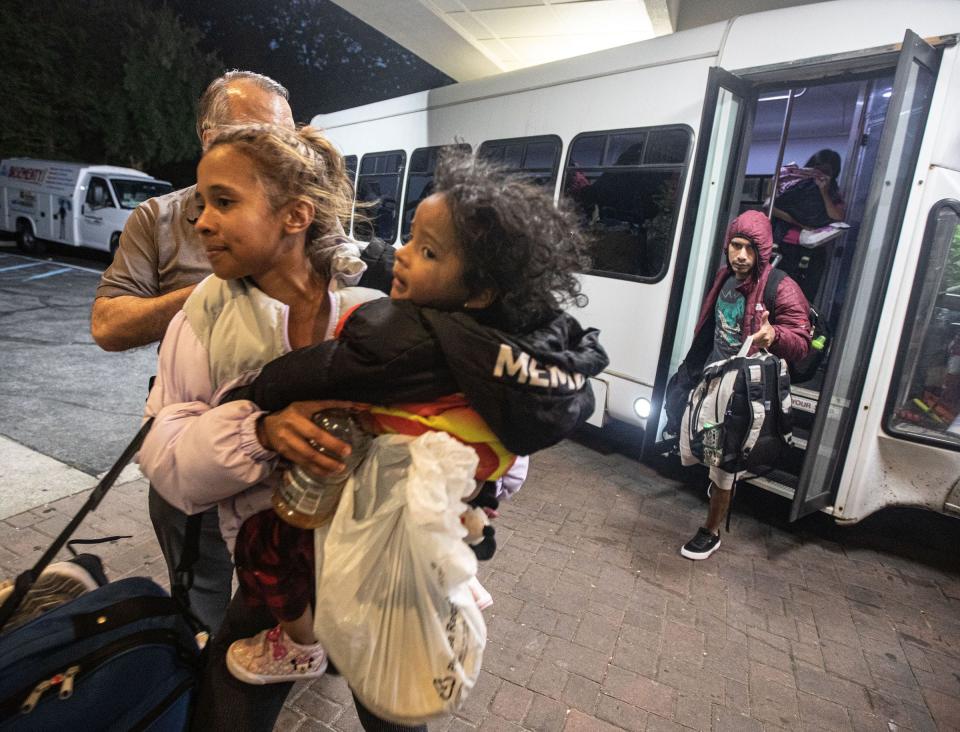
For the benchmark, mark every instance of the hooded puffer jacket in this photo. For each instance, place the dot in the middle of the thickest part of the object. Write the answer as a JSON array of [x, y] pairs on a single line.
[[791, 316], [531, 388]]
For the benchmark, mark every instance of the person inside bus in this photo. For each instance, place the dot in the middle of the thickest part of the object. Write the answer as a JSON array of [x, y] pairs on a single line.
[[732, 311], [808, 197], [808, 202]]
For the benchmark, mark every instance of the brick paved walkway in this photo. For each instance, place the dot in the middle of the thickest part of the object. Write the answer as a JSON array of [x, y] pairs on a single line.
[[599, 624]]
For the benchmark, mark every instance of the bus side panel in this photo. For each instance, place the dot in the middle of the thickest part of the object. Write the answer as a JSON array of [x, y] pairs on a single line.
[[632, 314], [830, 28]]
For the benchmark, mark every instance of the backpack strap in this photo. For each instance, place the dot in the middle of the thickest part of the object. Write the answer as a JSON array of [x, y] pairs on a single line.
[[770, 289]]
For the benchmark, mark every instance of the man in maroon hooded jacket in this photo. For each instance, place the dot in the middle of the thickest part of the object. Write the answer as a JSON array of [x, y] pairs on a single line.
[[734, 309]]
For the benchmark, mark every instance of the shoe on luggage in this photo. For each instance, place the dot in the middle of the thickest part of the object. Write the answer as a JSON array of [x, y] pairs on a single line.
[[58, 583], [271, 657], [702, 545]]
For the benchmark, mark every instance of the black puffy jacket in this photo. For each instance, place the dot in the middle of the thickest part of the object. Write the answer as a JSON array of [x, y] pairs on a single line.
[[530, 388]]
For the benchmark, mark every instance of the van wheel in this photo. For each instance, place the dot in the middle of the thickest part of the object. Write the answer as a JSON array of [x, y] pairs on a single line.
[[114, 243], [27, 241]]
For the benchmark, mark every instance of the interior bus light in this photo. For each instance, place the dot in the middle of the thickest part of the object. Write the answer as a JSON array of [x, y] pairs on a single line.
[[796, 95]]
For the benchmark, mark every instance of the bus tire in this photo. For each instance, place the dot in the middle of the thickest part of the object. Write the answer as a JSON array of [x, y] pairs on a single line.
[[27, 240]]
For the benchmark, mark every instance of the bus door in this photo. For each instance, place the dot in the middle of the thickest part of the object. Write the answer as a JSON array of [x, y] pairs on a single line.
[[721, 157], [893, 176]]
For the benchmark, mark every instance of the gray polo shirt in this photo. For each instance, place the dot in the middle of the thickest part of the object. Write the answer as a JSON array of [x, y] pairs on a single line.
[[159, 249]]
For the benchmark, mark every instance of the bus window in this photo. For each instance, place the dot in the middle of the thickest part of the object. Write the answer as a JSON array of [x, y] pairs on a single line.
[[925, 391], [627, 186], [423, 163], [533, 158], [350, 162], [379, 184], [666, 147]]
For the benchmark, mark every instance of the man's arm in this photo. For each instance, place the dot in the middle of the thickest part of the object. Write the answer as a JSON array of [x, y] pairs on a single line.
[[128, 321], [131, 309], [791, 321]]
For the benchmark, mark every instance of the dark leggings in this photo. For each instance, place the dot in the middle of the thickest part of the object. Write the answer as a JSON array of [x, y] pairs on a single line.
[[225, 704]]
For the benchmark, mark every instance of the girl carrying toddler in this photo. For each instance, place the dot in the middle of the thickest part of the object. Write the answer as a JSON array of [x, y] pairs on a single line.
[[472, 341]]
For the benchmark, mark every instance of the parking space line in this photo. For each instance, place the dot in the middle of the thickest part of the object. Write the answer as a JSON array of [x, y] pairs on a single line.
[[50, 261], [19, 266], [48, 274]]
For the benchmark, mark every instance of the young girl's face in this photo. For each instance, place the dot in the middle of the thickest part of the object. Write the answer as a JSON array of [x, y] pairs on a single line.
[[429, 267], [242, 234]]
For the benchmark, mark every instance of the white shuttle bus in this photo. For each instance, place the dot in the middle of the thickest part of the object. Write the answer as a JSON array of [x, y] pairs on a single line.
[[70, 203], [675, 136]]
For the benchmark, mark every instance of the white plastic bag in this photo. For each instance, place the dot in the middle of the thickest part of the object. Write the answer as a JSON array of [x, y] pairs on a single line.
[[394, 608]]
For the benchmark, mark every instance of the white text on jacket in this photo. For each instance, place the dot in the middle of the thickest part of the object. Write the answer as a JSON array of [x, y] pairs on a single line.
[[527, 371]]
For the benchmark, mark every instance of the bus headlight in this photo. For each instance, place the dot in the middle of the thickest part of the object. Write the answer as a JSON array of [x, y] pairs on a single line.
[[642, 407]]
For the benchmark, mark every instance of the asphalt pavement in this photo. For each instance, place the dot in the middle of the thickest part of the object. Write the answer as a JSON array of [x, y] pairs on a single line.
[[67, 408]]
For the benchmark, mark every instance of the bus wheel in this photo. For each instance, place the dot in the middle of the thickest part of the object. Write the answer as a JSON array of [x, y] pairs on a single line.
[[114, 243], [27, 241]]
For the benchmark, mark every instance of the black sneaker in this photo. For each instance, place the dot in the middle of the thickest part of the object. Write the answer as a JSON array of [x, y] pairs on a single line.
[[702, 545]]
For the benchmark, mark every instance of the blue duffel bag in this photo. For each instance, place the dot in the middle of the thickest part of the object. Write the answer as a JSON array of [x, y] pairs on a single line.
[[120, 657]]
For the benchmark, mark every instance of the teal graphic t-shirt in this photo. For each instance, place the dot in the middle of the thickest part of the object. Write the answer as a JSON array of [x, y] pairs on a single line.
[[728, 316]]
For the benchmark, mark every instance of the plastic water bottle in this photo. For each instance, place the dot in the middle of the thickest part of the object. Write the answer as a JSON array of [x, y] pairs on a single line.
[[308, 501]]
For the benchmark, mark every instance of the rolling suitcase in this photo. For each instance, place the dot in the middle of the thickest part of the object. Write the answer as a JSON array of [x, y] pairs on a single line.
[[121, 657]]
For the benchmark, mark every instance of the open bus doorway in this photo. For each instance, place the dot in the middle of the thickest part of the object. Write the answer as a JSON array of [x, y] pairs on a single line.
[[884, 135], [845, 117]]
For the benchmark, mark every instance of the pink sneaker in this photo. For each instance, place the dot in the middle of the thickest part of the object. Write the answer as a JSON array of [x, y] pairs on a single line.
[[270, 657]]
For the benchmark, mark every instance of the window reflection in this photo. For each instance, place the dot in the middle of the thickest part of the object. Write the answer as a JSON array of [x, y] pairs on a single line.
[[927, 403], [423, 164], [629, 201], [379, 184]]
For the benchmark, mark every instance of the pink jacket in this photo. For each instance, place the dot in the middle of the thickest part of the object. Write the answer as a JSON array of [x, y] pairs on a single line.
[[791, 316], [200, 453]]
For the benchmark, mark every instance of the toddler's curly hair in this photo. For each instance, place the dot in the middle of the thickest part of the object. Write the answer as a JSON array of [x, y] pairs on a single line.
[[513, 239]]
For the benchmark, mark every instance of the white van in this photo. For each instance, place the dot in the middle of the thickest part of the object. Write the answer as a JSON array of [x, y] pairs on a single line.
[[70, 203]]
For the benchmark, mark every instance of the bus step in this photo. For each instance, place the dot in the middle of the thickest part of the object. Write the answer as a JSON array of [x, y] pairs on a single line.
[[776, 481]]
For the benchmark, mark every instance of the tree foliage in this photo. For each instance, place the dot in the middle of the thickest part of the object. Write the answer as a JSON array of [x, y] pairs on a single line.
[[112, 81], [328, 59], [116, 81]]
